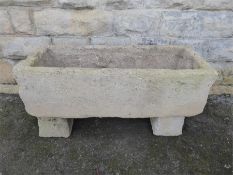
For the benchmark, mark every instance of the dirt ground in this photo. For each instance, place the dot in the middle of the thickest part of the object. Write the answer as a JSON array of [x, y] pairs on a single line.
[[117, 146]]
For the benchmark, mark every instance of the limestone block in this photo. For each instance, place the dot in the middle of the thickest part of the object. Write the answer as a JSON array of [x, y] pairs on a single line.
[[217, 50], [169, 126], [55, 127], [218, 24], [20, 47], [137, 22], [70, 22], [5, 24], [21, 21]]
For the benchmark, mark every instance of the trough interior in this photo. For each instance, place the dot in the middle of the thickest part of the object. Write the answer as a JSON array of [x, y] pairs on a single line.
[[130, 57]]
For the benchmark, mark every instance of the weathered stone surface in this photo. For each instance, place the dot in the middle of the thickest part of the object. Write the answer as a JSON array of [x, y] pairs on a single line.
[[18, 47], [181, 24], [73, 42], [55, 127], [110, 40], [176, 24], [137, 22], [132, 4], [219, 24], [208, 28], [23, 2], [21, 21], [5, 24], [66, 22], [169, 126], [197, 24], [190, 4], [76, 92], [217, 50], [6, 73], [217, 4]]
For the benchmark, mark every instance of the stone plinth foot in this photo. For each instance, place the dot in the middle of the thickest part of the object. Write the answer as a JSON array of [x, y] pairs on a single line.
[[167, 126], [55, 127]]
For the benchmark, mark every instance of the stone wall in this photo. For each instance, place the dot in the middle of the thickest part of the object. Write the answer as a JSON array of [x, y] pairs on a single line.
[[27, 26]]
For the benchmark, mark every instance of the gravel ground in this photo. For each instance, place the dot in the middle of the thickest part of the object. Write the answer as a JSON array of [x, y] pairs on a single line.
[[117, 146]]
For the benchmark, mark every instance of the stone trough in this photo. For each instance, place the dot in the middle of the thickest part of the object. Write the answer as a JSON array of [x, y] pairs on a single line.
[[163, 83]]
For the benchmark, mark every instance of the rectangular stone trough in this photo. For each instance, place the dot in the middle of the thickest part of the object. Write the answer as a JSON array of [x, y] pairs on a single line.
[[163, 83]]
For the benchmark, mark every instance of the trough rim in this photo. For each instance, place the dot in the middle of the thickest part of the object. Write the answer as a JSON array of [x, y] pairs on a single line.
[[204, 68]]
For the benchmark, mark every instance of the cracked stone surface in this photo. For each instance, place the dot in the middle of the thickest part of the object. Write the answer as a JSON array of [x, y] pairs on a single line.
[[117, 146]]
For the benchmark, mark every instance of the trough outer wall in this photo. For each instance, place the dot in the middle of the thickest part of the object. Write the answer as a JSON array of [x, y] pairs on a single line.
[[125, 93]]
